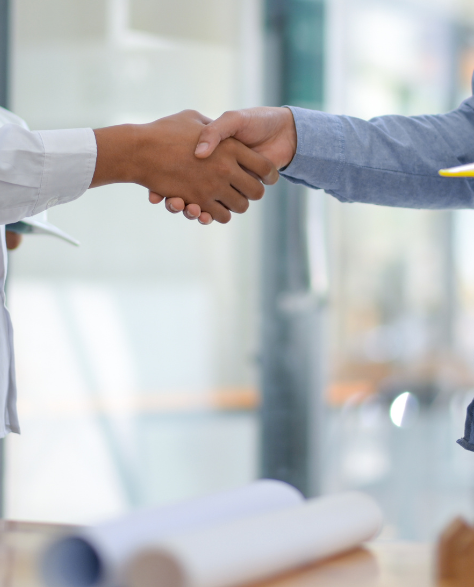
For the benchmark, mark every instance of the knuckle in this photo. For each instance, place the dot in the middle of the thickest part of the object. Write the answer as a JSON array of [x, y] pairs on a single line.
[[230, 114], [230, 118], [224, 168]]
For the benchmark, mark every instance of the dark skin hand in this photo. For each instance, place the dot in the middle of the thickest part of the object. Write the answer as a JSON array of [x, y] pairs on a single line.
[[13, 239], [268, 131], [160, 156]]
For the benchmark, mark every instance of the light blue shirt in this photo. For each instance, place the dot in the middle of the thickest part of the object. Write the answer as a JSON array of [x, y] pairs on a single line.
[[389, 160]]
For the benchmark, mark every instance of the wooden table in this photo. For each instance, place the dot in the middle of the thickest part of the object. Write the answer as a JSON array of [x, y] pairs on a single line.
[[381, 564]]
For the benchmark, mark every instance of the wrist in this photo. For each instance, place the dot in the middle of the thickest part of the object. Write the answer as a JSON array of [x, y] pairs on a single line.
[[116, 155], [289, 134]]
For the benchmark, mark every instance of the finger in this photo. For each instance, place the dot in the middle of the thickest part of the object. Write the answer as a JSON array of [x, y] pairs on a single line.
[[205, 218], [247, 183], [174, 205], [154, 197], [219, 212], [233, 200], [256, 163], [13, 239], [225, 126], [192, 211]]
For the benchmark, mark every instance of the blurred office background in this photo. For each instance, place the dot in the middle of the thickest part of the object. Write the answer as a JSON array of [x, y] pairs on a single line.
[[141, 359]]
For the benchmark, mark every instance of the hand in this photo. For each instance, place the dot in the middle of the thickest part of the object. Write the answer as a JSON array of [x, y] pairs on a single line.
[[268, 131], [175, 205], [13, 239], [160, 156]]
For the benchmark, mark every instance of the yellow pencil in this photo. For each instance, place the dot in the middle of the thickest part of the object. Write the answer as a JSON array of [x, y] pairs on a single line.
[[461, 171]]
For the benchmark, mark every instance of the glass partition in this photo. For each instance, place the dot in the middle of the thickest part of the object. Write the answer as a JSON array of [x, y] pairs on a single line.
[[401, 367], [137, 351]]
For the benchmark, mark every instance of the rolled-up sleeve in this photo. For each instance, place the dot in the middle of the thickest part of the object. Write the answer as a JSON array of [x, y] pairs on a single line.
[[41, 169], [389, 160]]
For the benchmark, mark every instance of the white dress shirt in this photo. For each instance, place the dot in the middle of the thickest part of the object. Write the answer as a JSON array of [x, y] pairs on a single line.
[[38, 170]]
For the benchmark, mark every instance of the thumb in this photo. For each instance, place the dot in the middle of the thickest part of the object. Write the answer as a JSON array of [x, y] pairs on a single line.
[[211, 135]]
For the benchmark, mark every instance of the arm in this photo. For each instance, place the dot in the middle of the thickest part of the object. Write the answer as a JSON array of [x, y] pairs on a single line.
[[160, 157], [43, 169], [389, 160]]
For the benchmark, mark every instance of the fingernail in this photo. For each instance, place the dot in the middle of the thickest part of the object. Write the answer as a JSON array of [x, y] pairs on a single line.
[[201, 148], [172, 208]]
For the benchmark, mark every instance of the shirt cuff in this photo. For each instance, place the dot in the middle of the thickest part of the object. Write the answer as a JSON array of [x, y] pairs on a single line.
[[69, 164], [320, 151]]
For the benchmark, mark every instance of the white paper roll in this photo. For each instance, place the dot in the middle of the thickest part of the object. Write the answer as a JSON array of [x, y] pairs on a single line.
[[254, 548], [96, 556]]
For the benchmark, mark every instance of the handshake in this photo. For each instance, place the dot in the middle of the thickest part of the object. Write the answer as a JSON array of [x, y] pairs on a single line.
[[206, 169]]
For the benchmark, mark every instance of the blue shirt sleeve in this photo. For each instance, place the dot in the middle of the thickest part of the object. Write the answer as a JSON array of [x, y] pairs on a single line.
[[389, 160]]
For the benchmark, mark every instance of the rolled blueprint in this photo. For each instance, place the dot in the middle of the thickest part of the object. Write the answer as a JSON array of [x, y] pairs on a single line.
[[252, 549], [97, 555]]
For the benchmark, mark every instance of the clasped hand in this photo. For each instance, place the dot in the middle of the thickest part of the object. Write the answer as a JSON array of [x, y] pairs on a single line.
[[268, 131], [160, 156], [206, 169]]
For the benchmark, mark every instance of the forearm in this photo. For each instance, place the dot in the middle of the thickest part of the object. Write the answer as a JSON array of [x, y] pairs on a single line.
[[116, 154], [390, 160]]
